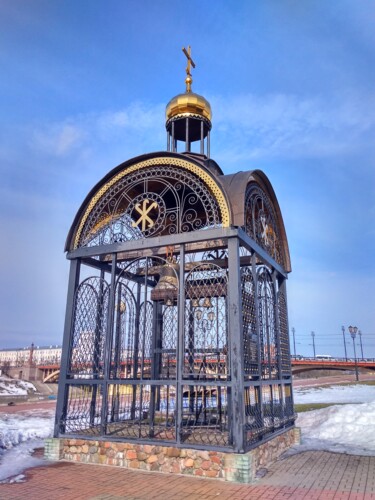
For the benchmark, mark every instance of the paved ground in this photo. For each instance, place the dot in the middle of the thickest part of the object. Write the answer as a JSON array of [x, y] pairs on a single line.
[[309, 475]]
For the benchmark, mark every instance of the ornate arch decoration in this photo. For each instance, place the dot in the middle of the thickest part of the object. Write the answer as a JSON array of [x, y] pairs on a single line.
[[255, 208], [151, 195]]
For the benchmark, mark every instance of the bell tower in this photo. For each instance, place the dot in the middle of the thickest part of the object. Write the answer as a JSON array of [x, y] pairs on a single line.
[[188, 116]]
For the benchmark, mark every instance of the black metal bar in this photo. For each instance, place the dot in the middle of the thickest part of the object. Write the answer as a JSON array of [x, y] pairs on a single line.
[[208, 144], [180, 346], [187, 144], [164, 241], [236, 346], [108, 347], [62, 396], [277, 324], [202, 138]]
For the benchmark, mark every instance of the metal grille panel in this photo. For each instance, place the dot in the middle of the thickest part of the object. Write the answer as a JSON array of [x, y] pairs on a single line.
[[89, 329], [250, 337], [142, 411], [267, 323], [206, 330], [83, 416], [284, 335], [205, 415]]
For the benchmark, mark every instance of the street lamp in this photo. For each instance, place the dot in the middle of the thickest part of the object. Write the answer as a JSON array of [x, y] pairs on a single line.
[[353, 331], [294, 340], [343, 336], [313, 340]]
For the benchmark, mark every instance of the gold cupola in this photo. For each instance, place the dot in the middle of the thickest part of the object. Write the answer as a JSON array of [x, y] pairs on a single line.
[[188, 116]]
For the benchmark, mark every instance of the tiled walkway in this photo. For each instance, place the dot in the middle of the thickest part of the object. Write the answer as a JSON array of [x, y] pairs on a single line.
[[309, 475]]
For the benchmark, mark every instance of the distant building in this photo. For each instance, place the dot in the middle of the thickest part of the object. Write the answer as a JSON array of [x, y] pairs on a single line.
[[40, 355]]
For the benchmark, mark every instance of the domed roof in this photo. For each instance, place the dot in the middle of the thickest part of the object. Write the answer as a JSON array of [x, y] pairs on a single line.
[[187, 104]]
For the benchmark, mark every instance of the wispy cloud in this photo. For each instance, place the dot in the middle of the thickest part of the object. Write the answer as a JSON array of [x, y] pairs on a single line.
[[286, 125]]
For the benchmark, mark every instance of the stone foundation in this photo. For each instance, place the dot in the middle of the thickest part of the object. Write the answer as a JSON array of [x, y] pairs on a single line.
[[167, 459]]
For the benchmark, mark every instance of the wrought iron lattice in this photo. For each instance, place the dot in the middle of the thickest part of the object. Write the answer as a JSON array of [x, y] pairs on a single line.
[[253, 414], [168, 343], [206, 329], [267, 324], [142, 411], [250, 337], [89, 329], [83, 411], [156, 200], [124, 331], [205, 415], [284, 334], [261, 222]]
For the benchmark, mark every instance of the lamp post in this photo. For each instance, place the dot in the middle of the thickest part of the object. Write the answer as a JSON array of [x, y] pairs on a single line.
[[353, 331], [313, 340], [360, 340], [343, 336], [294, 341]]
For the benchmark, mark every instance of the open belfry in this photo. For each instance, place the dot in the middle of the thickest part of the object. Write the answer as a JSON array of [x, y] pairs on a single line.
[[176, 350]]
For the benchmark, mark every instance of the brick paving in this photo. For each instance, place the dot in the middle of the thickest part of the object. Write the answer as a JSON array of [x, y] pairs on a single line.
[[310, 475]]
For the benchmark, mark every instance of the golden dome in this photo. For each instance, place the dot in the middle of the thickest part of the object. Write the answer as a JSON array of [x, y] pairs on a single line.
[[188, 104]]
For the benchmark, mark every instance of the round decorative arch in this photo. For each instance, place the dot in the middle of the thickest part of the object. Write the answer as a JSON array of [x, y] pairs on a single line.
[[148, 196], [255, 208]]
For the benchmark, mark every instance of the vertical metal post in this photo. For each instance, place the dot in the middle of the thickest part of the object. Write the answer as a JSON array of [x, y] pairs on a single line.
[[313, 340], [202, 138], [173, 139], [187, 144], [355, 360], [108, 347], [208, 144], [294, 340], [343, 336], [180, 345], [277, 323], [237, 422], [62, 397]]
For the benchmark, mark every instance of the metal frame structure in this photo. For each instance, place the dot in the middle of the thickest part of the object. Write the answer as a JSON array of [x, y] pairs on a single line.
[[176, 328]]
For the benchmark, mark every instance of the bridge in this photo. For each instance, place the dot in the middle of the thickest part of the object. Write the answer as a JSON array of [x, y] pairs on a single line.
[[50, 372], [301, 365]]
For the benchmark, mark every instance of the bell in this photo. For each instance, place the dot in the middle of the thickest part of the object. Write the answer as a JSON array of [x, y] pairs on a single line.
[[207, 302], [211, 316], [195, 303], [167, 286]]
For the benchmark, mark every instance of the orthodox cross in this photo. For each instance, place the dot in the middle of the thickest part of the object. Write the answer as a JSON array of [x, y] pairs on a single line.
[[190, 63]]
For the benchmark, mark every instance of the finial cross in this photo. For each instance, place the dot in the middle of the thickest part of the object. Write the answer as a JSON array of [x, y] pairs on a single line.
[[190, 62], [189, 59]]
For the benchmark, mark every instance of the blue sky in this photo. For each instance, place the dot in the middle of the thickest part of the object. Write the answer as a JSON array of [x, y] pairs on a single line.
[[84, 87]]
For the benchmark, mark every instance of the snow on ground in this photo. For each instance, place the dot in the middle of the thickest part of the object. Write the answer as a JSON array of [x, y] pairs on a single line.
[[20, 434], [335, 394], [15, 387], [344, 428], [348, 428]]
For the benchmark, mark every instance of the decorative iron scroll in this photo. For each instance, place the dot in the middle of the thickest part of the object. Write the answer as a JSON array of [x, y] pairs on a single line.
[[162, 199], [89, 329], [261, 222]]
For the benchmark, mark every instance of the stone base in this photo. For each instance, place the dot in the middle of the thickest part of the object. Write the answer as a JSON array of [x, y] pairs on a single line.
[[167, 459]]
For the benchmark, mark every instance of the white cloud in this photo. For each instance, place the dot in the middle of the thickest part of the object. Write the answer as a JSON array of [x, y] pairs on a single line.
[[287, 125]]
